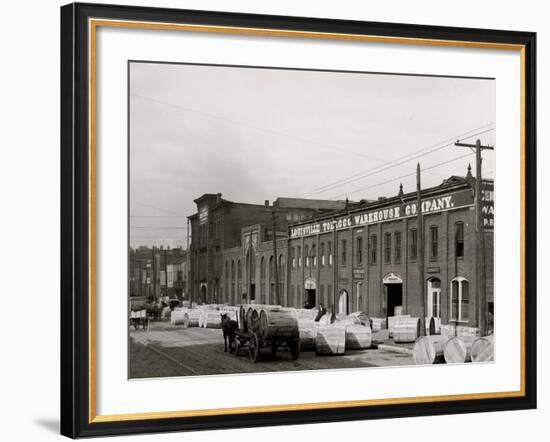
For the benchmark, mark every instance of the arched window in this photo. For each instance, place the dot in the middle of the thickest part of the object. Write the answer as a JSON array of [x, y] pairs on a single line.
[[299, 256], [239, 271], [271, 268], [460, 299], [359, 250], [323, 261], [281, 268], [314, 256], [262, 269], [329, 252], [459, 239], [306, 255]]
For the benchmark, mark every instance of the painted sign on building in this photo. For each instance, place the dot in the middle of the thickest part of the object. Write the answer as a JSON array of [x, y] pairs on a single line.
[[488, 205], [397, 211]]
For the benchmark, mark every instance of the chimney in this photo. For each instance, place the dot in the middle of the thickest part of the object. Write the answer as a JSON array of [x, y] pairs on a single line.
[[266, 203]]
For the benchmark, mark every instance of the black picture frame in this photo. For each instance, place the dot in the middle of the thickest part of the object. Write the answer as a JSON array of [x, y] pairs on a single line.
[[75, 221]]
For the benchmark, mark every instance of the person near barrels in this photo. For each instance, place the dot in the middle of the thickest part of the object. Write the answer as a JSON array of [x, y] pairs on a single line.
[[321, 313]]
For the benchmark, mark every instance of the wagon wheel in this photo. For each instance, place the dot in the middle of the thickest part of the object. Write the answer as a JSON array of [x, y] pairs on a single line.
[[295, 349], [253, 348]]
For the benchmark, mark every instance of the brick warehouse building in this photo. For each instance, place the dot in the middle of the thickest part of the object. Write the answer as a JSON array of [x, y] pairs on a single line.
[[365, 258], [217, 226]]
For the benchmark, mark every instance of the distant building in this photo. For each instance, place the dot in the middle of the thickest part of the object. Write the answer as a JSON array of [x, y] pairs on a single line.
[[217, 226], [149, 267]]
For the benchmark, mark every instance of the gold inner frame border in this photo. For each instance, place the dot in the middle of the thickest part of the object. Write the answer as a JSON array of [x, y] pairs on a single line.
[[93, 24]]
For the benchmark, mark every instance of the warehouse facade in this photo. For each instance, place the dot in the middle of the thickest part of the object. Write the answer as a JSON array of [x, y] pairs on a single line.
[[366, 258], [216, 231]]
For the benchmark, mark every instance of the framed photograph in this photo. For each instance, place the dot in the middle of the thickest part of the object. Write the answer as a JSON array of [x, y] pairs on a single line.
[[273, 220]]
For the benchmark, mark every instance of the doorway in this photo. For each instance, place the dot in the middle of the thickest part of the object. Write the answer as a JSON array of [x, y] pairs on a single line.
[[252, 292], [394, 297], [343, 302], [433, 303], [311, 298]]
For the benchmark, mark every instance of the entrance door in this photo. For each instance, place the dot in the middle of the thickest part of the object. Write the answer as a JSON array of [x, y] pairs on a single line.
[[343, 302], [252, 292], [394, 295], [311, 298], [433, 303]]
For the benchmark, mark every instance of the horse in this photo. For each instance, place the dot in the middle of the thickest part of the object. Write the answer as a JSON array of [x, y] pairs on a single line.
[[229, 326]]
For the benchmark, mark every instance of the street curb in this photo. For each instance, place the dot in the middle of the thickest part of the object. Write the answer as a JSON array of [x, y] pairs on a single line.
[[394, 348]]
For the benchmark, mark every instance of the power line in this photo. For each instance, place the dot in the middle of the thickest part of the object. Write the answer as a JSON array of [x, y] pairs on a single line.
[[402, 176], [394, 163]]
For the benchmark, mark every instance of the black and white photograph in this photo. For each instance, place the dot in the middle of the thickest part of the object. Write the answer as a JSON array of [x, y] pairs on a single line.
[[296, 219]]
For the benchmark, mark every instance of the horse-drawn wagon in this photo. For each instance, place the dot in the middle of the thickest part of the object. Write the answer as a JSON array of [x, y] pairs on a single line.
[[262, 326]]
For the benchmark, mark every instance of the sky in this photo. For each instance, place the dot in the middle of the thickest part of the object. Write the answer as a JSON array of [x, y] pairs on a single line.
[[255, 134]]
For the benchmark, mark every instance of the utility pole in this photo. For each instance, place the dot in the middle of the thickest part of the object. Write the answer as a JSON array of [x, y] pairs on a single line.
[[166, 271], [275, 257], [480, 234], [420, 251]]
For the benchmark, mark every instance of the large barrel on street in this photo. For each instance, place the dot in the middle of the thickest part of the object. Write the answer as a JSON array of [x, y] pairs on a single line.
[[483, 349], [458, 350], [406, 330], [429, 349], [358, 337], [330, 339], [307, 329], [278, 324]]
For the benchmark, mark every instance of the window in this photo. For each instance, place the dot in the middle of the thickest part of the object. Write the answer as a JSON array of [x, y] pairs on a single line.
[[306, 255], [434, 251], [329, 252], [387, 248], [281, 268], [323, 263], [271, 268], [460, 299], [344, 251], [359, 251], [299, 256], [373, 246], [314, 256], [397, 248], [226, 269], [293, 257], [413, 245], [459, 240], [262, 269]]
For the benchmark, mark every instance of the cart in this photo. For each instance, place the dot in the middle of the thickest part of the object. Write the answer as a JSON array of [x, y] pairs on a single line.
[[252, 342]]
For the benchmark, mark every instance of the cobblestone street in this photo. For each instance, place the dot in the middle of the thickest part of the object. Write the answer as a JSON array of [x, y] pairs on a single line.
[[165, 350]]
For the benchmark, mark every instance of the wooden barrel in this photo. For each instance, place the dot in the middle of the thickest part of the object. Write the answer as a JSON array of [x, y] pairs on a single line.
[[406, 330], [448, 330], [242, 319], [306, 313], [179, 318], [278, 323], [362, 317], [307, 328], [212, 319], [392, 320], [358, 337], [378, 324], [327, 319], [252, 320], [483, 349], [429, 349], [330, 339], [194, 317], [457, 350]]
